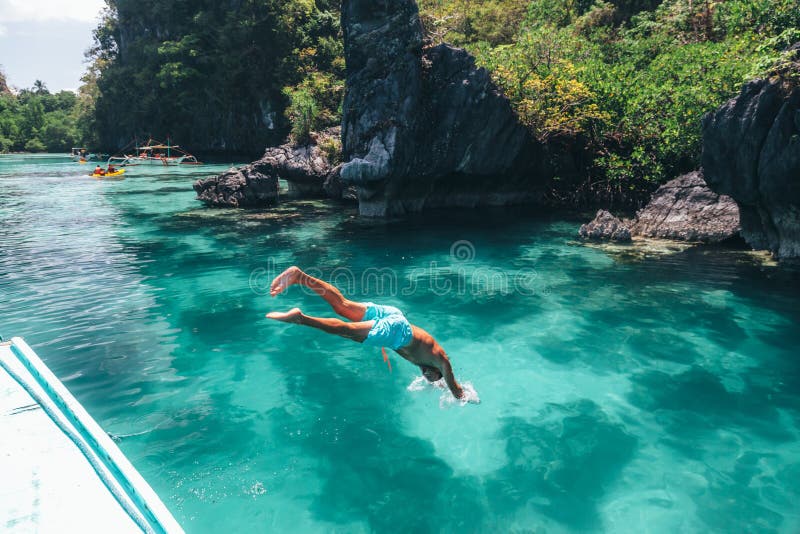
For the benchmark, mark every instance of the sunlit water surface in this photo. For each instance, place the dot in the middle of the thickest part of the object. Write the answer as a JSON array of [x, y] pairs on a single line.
[[619, 393]]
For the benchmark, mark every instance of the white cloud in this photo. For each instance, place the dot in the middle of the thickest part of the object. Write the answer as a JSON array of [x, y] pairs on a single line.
[[39, 10], [3, 30]]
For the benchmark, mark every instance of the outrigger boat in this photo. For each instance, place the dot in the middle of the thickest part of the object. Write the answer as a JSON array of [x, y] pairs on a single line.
[[81, 155], [154, 153]]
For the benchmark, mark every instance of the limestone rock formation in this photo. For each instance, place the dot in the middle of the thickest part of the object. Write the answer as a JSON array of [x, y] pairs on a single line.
[[306, 168], [425, 127], [238, 188], [605, 226], [684, 209], [751, 151]]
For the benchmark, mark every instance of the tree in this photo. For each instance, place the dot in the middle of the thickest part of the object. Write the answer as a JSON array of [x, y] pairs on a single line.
[[40, 88], [207, 73], [36, 120]]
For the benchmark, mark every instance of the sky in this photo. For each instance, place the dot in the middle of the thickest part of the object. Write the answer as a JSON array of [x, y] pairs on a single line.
[[45, 40]]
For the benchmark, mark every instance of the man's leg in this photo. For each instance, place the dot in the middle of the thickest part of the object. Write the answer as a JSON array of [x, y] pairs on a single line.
[[348, 309], [355, 331]]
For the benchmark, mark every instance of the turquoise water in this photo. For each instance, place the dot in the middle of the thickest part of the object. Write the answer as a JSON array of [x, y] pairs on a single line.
[[619, 392]]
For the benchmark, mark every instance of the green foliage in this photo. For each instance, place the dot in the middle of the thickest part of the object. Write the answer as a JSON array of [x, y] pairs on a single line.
[[332, 147], [35, 145], [314, 104], [764, 17], [463, 22], [36, 120], [628, 80], [541, 74], [213, 75], [303, 112]]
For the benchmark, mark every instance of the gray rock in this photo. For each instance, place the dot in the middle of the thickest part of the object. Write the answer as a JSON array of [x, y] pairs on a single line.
[[238, 188], [305, 167], [335, 188], [426, 127], [605, 226], [685, 209], [751, 151]]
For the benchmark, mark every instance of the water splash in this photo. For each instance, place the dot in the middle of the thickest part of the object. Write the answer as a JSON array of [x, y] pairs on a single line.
[[421, 383], [470, 397], [447, 399]]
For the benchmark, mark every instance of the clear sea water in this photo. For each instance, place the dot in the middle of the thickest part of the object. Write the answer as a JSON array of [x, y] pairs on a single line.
[[620, 392]]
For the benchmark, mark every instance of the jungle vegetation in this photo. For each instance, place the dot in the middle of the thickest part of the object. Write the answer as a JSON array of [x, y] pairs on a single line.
[[624, 83]]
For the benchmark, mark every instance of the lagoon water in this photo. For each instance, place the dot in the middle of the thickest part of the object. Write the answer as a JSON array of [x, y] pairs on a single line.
[[620, 391]]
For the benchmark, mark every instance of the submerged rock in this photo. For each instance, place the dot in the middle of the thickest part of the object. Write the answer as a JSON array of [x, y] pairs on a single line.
[[683, 209], [426, 127], [605, 226], [306, 168], [751, 151]]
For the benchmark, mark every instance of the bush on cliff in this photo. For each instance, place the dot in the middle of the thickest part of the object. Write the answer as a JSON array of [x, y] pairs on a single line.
[[628, 80], [314, 104]]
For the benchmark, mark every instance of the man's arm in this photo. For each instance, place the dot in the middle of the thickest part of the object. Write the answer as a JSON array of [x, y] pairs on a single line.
[[447, 371]]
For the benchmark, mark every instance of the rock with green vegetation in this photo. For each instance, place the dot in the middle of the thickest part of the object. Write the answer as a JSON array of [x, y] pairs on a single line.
[[216, 76], [605, 97], [425, 127], [622, 84], [752, 153]]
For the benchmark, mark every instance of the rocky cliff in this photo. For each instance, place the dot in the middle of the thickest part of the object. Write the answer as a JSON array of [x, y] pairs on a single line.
[[425, 127], [751, 151], [3, 84]]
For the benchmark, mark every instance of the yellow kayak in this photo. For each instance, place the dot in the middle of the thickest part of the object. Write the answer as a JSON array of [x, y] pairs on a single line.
[[119, 172]]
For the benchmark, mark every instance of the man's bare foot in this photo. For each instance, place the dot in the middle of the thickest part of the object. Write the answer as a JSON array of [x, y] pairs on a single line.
[[292, 316], [284, 280]]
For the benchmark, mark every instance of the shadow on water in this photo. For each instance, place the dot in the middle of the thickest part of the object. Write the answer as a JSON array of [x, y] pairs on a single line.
[[695, 403], [695, 411], [561, 464], [733, 500]]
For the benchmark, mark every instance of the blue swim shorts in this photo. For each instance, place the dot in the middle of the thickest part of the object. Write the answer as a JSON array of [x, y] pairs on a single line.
[[391, 328]]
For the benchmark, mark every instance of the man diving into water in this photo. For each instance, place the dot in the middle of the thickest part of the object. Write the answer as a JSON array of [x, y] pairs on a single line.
[[379, 326]]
